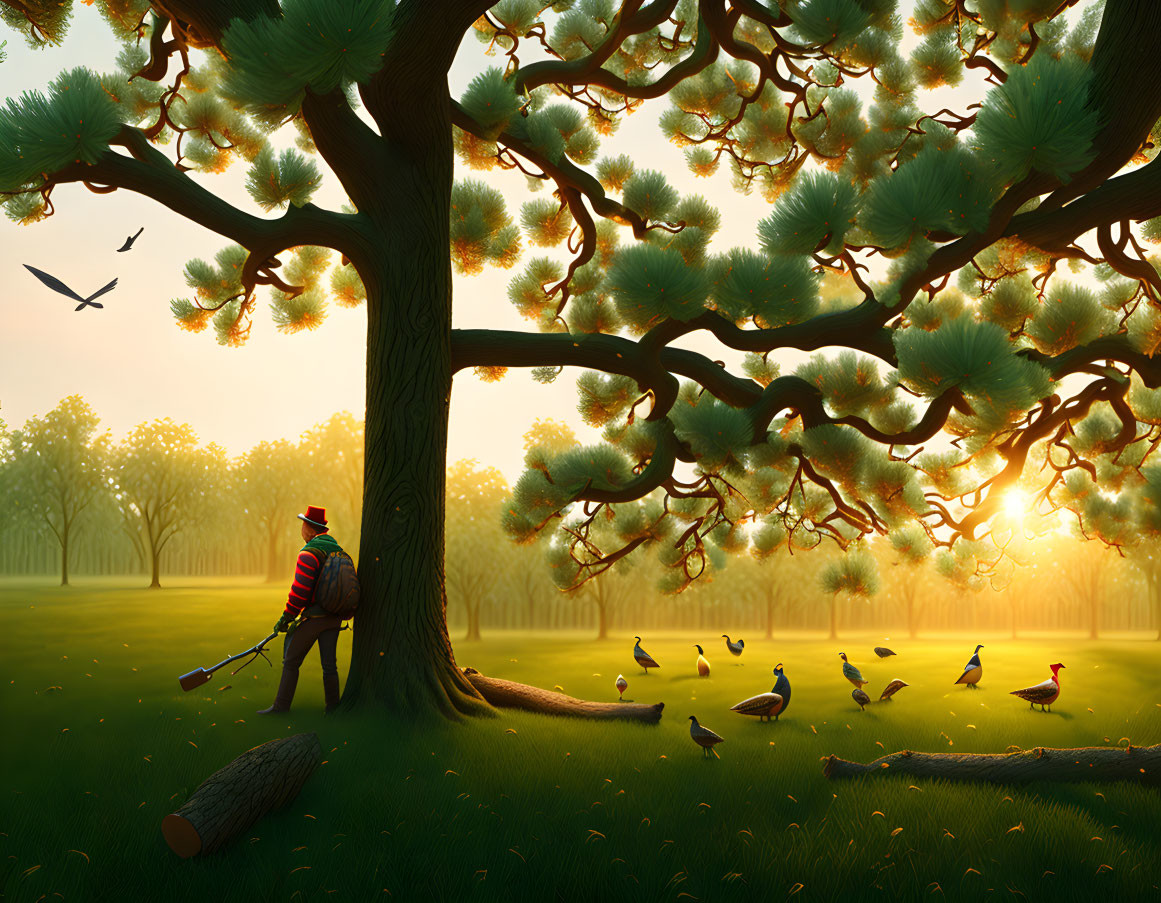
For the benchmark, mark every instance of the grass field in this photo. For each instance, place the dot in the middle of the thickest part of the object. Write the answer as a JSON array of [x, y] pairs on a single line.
[[100, 743]]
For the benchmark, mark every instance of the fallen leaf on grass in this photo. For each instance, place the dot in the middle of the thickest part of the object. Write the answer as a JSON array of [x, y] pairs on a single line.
[[896, 832], [795, 889], [79, 853], [299, 869], [971, 872], [28, 871], [1019, 828]]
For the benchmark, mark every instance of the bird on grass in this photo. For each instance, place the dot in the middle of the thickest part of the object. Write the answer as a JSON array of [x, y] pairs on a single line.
[[702, 663], [704, 737], [57, 286], [622, 685], [643, 658], [973, 670], [764, 705], [883, 651], [860, 697], [129, 241], [851, 673], [1042, 694], [735, 648], [892, 688], [782, 688]]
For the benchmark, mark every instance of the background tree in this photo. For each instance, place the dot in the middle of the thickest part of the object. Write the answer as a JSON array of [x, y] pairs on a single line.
[[1146, 557], [475, 545], [270, 479], [853, 573], [161, 482], [912, 553], [57, 468], [333, 453], [892, 200]]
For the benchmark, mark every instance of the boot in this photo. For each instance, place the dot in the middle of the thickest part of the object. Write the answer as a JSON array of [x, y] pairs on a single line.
[[285, 694], [331, 692]]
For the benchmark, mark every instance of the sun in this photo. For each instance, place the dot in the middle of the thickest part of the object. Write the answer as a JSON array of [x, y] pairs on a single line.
[[1015, 505]]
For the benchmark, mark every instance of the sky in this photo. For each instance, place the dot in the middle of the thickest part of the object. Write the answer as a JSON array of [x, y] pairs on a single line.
[[132, 363]]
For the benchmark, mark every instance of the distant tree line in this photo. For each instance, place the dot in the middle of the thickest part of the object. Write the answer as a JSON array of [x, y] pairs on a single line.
[[157, 503]]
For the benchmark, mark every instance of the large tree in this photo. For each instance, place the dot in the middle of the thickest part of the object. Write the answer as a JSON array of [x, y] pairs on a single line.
[[875, 211], [269, 480], [57, 468]]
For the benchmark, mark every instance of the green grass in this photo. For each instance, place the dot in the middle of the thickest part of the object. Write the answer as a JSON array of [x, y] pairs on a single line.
[[521, 807]]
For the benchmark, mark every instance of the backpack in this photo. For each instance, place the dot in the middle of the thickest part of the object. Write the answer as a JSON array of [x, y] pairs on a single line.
[[336, 588]]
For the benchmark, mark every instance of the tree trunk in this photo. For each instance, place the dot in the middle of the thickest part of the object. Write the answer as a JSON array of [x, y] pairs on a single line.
[[1094, 623], [64, 556], [473, 621], [912, 624], [769, 616], [603, 622], [272, 568], [511, 695], [156, 582], [401, 655], [235, 797], [1093, 763], [833, 622]]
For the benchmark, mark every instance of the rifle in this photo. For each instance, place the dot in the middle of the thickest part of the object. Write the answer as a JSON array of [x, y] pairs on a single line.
[[199, 676]]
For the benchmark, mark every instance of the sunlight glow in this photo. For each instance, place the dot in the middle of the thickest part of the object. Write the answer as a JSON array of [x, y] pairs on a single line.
[[1015, 505]]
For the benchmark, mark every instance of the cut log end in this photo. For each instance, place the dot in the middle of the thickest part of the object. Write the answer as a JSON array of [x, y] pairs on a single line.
[[512, 695], [181, 836]]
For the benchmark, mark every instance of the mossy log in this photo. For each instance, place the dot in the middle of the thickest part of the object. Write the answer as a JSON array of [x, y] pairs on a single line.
[[236, 796], [1141, 764], [507, 694]]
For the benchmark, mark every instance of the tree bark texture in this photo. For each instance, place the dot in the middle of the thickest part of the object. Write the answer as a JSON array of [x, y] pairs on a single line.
[[508, 694], [1092, 763], [401, 655], [235, 797]]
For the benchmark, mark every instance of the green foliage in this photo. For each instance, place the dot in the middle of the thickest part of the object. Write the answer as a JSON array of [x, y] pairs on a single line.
[[650, 284], [854, 573], [322, 45], [295, 312], [41, 133], [976, 357], [936, 61], [1070, 315], [347, 287], [912, 545], [491, 101], [540, 133], [614, 172], [774, 291], [1038, 120], [937, 190], [1010, 303], [527, 290], [839, 452], [604, 396], [718, 433], [817, 211], [849, 383], [648, 194], [482, 232], [829, 23], [760, 368], [289, 179], [547, 221]]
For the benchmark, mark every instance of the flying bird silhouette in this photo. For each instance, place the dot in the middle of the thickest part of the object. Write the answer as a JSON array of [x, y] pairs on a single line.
[[57, 286], [129, 241]]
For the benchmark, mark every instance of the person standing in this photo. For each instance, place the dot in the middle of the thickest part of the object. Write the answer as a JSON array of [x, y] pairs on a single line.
[[316, 624]]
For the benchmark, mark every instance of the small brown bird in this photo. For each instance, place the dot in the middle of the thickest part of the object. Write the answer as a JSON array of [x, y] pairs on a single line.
[[622, 685], [883, 651], [860, 697], [764, 705], [1043, 694], [851, 673], [702, 662], [892, 688], [704, 737], [643, 658]]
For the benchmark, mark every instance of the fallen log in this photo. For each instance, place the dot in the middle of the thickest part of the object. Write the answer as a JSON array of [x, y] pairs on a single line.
[[236, 796], [507, 694], [1141, 764]]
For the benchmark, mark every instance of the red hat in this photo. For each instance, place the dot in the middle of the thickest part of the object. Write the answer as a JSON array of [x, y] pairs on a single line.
[[316, 517]]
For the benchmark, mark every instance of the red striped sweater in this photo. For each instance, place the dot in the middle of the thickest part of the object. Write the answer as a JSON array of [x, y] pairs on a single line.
[[306, 573]]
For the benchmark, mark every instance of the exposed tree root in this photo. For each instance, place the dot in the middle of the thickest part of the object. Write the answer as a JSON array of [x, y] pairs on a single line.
[[510, 695]]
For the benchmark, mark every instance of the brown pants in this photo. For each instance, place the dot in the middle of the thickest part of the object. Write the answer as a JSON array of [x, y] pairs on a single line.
[[298, 642]]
